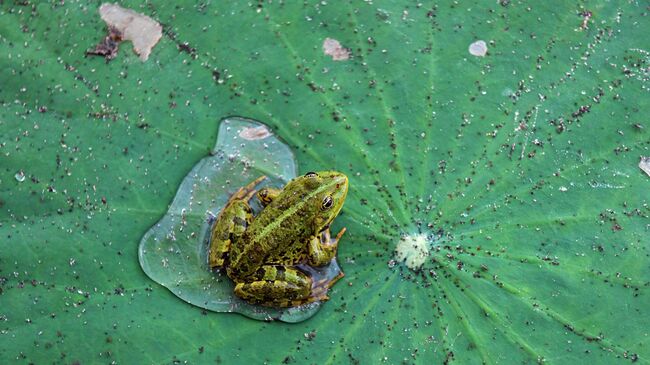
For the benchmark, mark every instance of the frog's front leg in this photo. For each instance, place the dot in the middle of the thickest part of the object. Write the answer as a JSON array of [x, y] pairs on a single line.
[[231, 223], [276, 286], [267, 195], [322, 248]]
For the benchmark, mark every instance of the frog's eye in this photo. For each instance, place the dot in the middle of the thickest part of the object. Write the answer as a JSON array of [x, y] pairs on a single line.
[[263, 193], [311, 174], [327, 203]]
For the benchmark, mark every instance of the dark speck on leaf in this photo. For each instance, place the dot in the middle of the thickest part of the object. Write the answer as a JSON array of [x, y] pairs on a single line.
[[186, 48]]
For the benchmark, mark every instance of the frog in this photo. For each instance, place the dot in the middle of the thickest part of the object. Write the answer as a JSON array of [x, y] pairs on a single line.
[[272, 257]]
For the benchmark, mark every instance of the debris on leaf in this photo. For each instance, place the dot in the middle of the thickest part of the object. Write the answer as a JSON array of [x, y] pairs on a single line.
[[478, 48], [126, 24], [254, 133], [644, 164], [20, 176], [586, 15], [108, 46], [332, 47]]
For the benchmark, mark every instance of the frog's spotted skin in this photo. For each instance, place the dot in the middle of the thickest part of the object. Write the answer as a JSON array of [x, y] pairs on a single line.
[[266, 195], [263, 254]]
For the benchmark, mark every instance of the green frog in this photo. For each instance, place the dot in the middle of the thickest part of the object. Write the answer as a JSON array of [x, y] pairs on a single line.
[[269, 256]]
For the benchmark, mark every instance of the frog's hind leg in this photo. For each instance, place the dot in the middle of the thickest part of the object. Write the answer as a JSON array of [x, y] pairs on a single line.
[[267, 195], [231, 223], [276, 286]]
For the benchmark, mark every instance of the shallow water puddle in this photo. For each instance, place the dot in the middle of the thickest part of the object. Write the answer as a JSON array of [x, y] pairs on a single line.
[[174, 252]]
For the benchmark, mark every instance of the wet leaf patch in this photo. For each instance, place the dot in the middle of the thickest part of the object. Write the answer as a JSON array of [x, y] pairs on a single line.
[[174, 252]]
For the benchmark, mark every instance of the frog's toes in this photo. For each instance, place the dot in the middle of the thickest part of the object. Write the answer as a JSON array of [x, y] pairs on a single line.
[[319, 294], [340, 234], [326, 284], [322, 298]]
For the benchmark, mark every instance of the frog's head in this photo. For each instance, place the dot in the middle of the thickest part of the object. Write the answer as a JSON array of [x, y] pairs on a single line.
[[326, 194]]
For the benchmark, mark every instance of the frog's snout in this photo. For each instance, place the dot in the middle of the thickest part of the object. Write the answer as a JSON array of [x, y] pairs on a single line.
[[342, 183], [337, 184], [343, 188]]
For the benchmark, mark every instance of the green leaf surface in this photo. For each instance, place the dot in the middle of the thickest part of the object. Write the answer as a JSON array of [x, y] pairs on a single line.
[[518, 170]]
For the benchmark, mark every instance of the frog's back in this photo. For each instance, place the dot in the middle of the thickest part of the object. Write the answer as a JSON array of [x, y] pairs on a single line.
[[277, 235]]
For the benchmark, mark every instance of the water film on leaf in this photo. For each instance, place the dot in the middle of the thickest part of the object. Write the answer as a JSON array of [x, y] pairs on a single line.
[[174, 252]]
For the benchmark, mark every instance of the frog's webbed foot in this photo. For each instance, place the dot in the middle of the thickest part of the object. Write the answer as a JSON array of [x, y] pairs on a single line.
[[320, 288], [231, 223], [267, 195], [319, 291]]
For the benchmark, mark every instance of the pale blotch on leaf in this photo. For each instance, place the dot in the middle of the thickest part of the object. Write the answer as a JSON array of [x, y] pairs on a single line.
[[138, 28], [478, 48], [644, 164], [332, 47], [413, 250]]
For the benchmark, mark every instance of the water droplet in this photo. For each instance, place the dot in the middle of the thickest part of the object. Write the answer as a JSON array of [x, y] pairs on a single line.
[[20, 176]]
